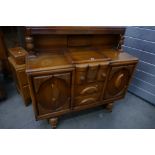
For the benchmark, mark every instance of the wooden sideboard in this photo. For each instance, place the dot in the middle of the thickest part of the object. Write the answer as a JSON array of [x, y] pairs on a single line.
[[4, 56], [4, 67], [75, 68], [17, 63]]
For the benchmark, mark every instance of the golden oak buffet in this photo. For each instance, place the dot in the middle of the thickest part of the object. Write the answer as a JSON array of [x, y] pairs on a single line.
[[70, 69]]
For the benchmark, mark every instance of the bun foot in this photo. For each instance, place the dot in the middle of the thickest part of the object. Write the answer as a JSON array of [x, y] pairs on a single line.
[[53, 122], [109, 107]]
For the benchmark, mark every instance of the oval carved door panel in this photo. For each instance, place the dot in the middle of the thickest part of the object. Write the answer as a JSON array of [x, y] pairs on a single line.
[[118, 81], [53, 93]]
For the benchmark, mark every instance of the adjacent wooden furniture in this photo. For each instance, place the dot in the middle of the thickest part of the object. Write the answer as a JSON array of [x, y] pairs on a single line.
[[3, 94], [4, 67], [75, 68], [17, 62], [4, 55]]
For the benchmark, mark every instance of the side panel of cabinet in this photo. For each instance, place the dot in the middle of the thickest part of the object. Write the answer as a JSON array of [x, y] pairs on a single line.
[[21, 81], [53, 92], [118, 81]]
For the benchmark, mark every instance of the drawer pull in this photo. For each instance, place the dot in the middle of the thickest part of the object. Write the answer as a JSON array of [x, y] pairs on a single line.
[[90, 89], [53, 99], [82, 78], [103, 76], [88, 100], [52, 85]]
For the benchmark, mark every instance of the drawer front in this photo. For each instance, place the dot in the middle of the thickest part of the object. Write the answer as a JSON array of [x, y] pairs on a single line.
[[89, 99], [22, 77], [91, 73], [102, 73], [81, 75], [88, 89]]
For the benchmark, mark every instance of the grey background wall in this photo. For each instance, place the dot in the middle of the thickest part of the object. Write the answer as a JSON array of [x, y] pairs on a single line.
[[140, 42]]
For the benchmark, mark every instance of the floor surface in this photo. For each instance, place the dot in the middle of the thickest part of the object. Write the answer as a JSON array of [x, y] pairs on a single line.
[[129, 113]]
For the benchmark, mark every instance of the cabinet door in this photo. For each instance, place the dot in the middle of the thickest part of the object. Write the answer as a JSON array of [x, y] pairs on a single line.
[[52, 92], [118, 81]]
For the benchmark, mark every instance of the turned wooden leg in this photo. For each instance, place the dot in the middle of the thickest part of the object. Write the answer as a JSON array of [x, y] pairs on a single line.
[[53, 122], [109, 107]]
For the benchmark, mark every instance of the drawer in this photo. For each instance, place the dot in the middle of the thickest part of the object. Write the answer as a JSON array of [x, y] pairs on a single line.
[[89, 99], [81, 74], [90, 73], [88, 89], [22, 77], [102, 73]]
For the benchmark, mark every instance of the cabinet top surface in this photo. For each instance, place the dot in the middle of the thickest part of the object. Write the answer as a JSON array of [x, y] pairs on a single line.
[[85, 55], [72, 56], [47, 61]]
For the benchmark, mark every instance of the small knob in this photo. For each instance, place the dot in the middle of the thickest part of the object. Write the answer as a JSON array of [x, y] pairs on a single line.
[[52, 85], [92, 59], [19, 51], [53, 99], [103, 75], [82, 78]]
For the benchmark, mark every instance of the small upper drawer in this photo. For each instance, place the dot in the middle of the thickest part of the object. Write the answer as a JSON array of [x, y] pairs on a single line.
[[89, 73], [102, 73], [81, 74], [88, 89]]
